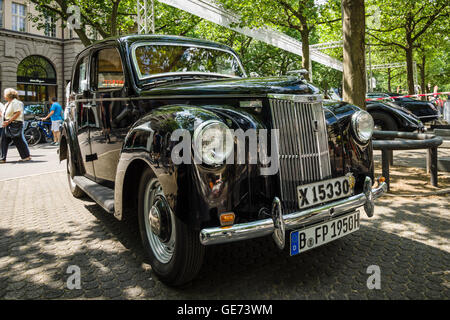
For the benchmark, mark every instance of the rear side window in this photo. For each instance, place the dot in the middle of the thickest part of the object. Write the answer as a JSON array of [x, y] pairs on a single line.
[[108, 73]]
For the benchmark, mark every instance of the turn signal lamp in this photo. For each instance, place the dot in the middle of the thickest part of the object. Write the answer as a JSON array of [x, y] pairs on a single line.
[[381, 179], [227, 219]]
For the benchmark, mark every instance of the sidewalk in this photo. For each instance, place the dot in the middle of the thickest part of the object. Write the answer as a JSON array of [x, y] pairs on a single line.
[[44, 160], [408, 174]]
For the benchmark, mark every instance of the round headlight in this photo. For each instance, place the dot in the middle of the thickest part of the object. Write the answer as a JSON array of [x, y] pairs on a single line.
[[213, 142], [363, 125]]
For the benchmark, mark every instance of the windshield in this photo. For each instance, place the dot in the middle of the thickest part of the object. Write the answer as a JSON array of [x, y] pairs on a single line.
[[156, 60]]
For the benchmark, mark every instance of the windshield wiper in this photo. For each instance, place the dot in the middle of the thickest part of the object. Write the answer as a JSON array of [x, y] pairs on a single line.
[[180, 78], [162, 81]]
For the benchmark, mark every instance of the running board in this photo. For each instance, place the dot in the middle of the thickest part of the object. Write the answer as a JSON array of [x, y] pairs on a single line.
[[102, 195]]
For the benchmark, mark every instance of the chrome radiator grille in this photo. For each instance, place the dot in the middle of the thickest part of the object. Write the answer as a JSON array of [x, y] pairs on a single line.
[[303, 143]]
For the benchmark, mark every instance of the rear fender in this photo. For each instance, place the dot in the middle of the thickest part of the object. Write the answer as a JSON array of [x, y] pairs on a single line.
[[69, 140]]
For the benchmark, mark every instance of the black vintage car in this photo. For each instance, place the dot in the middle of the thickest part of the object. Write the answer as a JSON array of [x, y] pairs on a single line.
[[136, 101], [424, 110], [388, 116], [391, 117]]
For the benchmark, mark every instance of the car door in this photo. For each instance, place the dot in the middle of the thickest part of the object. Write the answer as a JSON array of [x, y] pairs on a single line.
[[84, 114], [111, 106]]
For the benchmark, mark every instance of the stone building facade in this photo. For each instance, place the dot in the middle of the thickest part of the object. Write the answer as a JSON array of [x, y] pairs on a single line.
[[37, 62]]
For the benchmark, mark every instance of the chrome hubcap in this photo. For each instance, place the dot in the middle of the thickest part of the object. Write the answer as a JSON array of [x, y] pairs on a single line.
[[159, 219], [159, 223]]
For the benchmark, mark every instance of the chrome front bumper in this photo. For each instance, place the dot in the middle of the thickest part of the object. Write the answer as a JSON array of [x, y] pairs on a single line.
[[279, 222]]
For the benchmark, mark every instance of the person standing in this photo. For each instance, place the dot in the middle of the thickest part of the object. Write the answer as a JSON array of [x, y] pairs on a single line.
[[56, 116], [12, 124]]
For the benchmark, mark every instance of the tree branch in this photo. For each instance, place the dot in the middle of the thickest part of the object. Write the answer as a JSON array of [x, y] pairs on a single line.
[[386, 43]]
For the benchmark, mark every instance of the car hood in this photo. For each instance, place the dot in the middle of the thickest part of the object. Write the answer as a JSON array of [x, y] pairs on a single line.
[[232, 87]]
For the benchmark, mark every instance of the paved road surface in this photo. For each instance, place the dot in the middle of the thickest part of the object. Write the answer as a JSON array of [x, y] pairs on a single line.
[[44, 160], [44, 230]]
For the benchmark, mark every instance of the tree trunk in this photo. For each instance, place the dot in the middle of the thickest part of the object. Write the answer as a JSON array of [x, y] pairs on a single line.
[[113, 21], [354, 76], [410, 69], [423, 86], [83, 37], [305, 52], [389, 80]]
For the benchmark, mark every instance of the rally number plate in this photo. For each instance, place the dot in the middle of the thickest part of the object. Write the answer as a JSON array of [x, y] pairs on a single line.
[[325, 191]]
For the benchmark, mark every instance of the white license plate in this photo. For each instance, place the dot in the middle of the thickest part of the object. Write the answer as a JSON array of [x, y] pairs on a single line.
[[320, 234], [325, 191]]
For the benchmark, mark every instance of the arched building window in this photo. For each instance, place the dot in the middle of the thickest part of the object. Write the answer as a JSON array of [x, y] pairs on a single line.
[[36, 80]]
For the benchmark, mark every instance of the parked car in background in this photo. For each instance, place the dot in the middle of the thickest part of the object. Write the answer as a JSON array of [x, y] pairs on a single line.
[[34, 110], [390, 117], [424, 110], [132, 96]]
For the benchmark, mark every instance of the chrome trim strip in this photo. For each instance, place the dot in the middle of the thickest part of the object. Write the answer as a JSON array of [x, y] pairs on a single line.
[[205, 96], [296, 97], [261, 228]]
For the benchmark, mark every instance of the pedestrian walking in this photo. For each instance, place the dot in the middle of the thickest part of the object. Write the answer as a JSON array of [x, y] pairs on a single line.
[[56, 116], [12, 124], [2, 106]]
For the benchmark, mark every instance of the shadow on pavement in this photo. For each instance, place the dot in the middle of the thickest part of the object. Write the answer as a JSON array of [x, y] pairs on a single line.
[[112, 265]]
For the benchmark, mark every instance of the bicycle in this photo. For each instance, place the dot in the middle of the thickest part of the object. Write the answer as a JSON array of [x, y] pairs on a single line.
[[38, 131]]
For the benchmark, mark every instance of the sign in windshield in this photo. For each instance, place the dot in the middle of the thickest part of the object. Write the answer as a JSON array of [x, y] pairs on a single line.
[[155, 60]]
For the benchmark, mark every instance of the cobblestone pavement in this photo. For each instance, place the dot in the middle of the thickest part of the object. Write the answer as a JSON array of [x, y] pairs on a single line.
[[44, 230]]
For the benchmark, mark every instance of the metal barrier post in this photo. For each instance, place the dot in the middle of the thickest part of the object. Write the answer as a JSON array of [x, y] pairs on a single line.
[[385, 166], [447, 111], [433, 155], [409, 141]]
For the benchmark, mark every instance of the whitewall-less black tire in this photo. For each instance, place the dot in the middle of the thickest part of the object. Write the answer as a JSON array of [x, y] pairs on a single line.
[[176, 258]]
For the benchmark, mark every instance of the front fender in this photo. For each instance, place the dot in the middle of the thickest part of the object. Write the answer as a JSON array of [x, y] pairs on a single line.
[[148, 141]]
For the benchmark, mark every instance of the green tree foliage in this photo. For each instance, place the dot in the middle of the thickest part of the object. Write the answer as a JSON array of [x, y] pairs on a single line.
[[387, 27], [403, 23], [297, 18], [103, 17]]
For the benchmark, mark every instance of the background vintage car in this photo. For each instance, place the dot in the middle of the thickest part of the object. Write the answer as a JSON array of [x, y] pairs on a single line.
[[424, 110], [128, 96], [387, 115], [391, 117]]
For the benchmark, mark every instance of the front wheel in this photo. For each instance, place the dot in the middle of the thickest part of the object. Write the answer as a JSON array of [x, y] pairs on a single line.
[[32, 136], [384, 121], [174, 250]]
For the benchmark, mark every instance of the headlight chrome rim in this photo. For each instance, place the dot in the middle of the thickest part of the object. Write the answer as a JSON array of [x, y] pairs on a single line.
[[199, 153], [363, 135]]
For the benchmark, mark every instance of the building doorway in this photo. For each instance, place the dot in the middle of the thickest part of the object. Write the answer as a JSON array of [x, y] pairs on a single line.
[[36, 83]]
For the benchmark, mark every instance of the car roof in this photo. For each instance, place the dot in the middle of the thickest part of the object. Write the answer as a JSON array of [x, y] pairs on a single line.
[[130, 39]]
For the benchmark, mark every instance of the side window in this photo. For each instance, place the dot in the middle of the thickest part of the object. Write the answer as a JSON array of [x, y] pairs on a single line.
[[80, 76], [108, 72]]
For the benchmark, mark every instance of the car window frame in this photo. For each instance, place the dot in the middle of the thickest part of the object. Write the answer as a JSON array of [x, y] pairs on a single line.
[[93, 72]]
